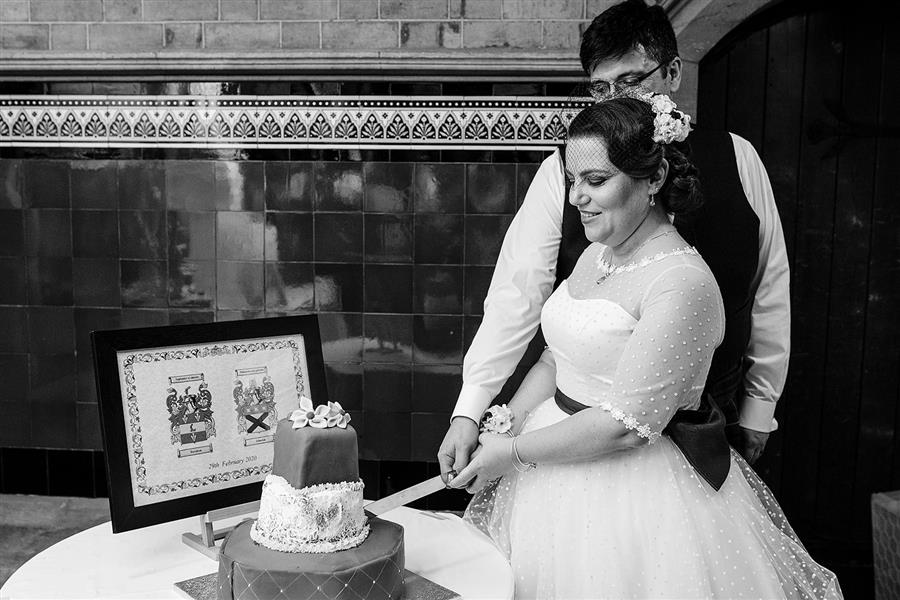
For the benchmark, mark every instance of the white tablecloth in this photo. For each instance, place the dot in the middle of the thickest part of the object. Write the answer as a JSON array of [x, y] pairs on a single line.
[[145, 563]]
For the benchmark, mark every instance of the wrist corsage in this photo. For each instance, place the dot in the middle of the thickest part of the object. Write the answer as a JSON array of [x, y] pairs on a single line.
[[497, 419]]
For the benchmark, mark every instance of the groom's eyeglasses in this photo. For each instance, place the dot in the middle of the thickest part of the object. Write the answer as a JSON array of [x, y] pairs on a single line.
[[604, 90]]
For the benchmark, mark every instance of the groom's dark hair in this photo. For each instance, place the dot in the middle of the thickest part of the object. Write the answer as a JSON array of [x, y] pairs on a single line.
[[625, 27]]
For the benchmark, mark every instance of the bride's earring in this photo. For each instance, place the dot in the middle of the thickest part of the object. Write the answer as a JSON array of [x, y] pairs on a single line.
[[652, 200]]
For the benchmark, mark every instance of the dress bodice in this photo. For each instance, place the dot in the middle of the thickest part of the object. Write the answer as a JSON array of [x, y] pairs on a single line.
[[639, 343]]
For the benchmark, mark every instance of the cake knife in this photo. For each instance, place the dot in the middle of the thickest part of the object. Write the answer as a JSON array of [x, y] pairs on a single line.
[[420, 490]]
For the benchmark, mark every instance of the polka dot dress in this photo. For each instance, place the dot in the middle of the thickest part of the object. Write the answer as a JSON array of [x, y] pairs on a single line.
[[641, 523]]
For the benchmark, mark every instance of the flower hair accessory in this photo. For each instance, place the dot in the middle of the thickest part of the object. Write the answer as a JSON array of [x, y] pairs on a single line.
[[669, 124], [497, 419], [320, 417]]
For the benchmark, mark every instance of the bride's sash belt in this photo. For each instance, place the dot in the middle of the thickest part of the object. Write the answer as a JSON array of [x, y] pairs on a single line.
[[699, 434]]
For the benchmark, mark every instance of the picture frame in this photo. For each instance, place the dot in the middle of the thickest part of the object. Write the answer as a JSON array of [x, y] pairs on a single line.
[[188, 412]]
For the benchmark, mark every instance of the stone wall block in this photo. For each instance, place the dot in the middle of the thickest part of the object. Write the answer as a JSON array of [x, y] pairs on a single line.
[[543, 9], [292, 10], [121, 10], [413, 9], [300, 35], [239, 10], [563, 34], [595, 7], [359, 9], [183, 36], [361, 35], [476, 9], [65, 36], [25, 37], [13, 10], [66, 10], [253, 36], [428, 34], [502, 34], [181, 10], [125, 37]]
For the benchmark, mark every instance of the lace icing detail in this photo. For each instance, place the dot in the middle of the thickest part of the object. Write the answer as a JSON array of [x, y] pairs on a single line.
[[630, 422], [608, 269], [319, 518]]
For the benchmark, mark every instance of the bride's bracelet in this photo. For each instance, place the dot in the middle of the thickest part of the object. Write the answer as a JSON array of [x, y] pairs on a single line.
[[520, 465]]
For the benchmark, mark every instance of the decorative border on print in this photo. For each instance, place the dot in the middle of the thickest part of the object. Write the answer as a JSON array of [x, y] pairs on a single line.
[[326, 122], [134, 419]]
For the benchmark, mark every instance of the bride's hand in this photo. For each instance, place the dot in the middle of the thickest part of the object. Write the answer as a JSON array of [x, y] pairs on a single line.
[[491, 460]]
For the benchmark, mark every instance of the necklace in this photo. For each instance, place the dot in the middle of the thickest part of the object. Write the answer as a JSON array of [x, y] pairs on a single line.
[[608, 269]]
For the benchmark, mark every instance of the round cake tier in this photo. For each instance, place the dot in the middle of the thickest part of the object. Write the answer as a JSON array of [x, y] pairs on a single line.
[[372, 570]]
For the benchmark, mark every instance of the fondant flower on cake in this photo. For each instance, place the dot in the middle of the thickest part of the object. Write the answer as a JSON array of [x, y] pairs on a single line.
[[307, 415], [497, 419], [337, 416]]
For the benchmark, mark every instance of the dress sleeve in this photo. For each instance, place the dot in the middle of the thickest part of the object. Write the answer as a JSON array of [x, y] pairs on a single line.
[[666, 359]]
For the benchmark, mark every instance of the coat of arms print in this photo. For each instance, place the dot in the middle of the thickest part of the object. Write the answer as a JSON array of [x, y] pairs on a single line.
[[254, 401], [190, 414]]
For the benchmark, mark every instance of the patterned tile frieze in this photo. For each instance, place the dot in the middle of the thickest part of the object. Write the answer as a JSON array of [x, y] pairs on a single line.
[[503, 123]]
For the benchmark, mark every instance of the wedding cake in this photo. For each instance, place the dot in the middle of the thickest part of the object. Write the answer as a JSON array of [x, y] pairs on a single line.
[[311, 537]]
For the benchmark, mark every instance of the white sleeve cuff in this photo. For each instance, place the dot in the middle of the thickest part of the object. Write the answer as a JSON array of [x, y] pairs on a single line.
[[473, 401], [758, 415]]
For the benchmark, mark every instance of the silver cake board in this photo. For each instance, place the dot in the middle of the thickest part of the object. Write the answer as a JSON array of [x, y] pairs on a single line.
[[415, 587], [205, 542]]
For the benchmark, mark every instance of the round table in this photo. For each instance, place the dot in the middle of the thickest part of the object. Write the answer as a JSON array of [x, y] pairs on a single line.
[[145, 563]]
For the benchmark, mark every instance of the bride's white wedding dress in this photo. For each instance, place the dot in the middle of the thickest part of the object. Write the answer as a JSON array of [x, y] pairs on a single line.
[[641, 523]]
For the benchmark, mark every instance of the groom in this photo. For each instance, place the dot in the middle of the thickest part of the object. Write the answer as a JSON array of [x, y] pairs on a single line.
[[737, 231]]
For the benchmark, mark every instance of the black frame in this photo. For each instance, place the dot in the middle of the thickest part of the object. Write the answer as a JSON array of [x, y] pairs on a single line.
[[106, 344]]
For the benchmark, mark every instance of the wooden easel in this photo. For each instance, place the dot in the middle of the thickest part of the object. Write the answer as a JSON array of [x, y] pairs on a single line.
[[205, 543]]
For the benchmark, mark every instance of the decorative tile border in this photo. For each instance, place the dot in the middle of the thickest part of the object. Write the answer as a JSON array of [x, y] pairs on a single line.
[[364, 122]]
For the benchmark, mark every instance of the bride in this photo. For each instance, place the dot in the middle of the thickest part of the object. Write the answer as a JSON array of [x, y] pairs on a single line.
[[590, 499]]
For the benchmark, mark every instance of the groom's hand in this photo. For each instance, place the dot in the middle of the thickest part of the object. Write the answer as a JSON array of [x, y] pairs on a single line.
[[750, 443], [456, 449]]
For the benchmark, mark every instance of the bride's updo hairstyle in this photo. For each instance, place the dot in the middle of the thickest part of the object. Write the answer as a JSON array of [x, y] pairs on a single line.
[[626, 126]]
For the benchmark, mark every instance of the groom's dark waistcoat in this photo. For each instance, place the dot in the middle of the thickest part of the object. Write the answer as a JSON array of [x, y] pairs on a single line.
[[725, 230]]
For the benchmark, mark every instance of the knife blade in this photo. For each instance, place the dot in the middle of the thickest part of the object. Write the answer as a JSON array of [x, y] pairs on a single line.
[[414, 492]]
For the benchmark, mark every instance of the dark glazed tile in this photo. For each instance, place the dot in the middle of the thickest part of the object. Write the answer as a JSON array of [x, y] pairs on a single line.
[[387, 388], [48, 232], [289, 236], [437, 340], [439, 188], [95, 282], [95, 233], [290, 286], [240, 285], [12, 176], [51, 330], [436, 388], [341, 334], [50, 281], [428, 430], [192, 235], [388, 439], [13, 275], [470, 328], [13, 329], [12, 232], [491, 188], [190, 185], [15, 427], [388, 186], [144, 283], [289, 186], [94, 184], [186, 316], [15, 378], [389, 238], [53, 424], [365, 88], [51, 378], [339, 287], [439, 239], [344, 382], [389, 339], [47, 183], [467, 156], [24, 470], [142, 234], [438, 289], [142, 184], [70, 473], [524, 175], [415, 89], [339, 186], [478, 280], [144, 317], [86, 321], [239, 186], [388, 288], [239, 236], [192, 283], [239, 315], [339, 237], [484, 236], [87, 419]]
